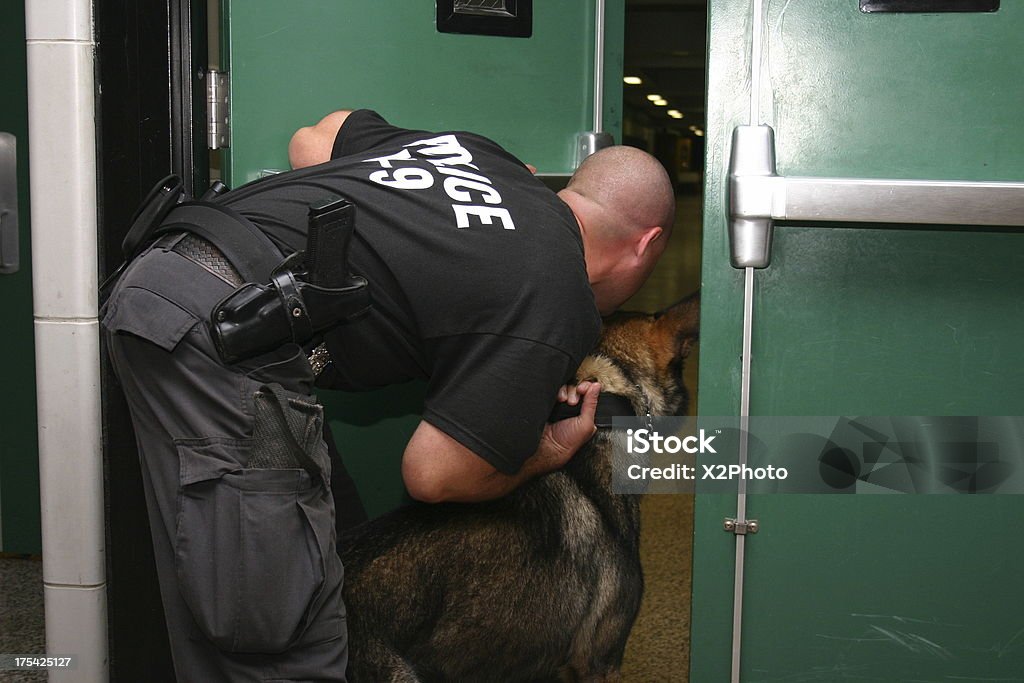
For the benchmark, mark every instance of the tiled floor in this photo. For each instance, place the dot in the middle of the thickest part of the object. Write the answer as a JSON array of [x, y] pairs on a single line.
[[21, 613]]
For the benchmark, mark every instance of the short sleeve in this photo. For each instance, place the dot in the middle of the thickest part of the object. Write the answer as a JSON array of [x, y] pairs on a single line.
[[362, 130], [493, 394]]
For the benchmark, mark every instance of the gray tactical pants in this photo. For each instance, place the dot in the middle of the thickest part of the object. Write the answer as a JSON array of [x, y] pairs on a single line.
[[236, 476]]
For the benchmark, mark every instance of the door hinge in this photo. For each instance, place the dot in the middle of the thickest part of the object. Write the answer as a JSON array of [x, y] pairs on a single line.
[[218, 109]]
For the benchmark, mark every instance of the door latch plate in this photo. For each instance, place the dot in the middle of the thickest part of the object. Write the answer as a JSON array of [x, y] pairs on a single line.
[[741, 528]]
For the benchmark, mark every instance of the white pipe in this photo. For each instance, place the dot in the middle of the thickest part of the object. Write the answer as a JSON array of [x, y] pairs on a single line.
[[62, 176]]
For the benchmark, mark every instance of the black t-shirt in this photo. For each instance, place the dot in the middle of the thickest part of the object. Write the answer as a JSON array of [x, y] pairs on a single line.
[[476, 271]]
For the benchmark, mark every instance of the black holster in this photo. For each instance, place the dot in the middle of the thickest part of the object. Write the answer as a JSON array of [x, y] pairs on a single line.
[[308, 293]]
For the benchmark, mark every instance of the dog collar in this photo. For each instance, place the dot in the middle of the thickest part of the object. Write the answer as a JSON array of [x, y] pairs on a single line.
[[608, 407]]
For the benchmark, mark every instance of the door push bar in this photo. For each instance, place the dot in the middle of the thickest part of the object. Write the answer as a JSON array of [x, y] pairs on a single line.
[[758, 197]]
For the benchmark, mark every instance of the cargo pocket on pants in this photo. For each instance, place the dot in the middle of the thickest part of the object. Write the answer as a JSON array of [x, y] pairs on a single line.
[[253, 545]]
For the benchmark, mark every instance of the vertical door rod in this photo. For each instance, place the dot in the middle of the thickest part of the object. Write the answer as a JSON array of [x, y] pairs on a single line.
[[739, 526]]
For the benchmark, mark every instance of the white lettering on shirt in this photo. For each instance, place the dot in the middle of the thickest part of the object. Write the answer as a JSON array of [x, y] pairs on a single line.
[[404, 178], [484, 213], [465, 188], [452, 185]]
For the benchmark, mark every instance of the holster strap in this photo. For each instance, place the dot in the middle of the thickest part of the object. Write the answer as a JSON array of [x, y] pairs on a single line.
[[294, 304]]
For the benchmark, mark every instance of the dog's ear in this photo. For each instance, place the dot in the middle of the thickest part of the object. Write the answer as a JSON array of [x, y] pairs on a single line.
[[682, 321]]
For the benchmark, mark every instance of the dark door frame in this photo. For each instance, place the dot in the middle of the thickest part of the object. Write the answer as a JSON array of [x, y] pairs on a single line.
[[150, 122]]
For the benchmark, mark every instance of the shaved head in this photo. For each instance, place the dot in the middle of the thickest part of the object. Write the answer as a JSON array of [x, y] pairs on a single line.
[[624, 203], [628, 183]]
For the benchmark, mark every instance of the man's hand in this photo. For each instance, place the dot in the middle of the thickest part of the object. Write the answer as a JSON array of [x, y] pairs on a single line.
[[562, 439], [437, 468]]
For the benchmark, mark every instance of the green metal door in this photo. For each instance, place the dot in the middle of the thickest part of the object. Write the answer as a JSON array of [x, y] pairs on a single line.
[[290, 63], [19, 459], [867, 320]]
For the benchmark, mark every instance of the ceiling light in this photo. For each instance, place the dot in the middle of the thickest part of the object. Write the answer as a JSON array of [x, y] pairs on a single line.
[[653, 97], [632, 80], [693, 128], [675, 113], [699, 133], [660, 103]]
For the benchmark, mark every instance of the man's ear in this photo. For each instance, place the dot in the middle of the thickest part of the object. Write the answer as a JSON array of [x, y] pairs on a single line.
[[646, 239]]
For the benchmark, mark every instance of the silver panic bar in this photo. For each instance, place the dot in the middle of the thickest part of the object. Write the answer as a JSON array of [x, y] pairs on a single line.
[[758, 196]]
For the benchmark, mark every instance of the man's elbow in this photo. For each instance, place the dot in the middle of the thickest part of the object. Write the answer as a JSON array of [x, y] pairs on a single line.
[[302, 148], [432, 479], [436, 468], [424, 483], [313, 145]]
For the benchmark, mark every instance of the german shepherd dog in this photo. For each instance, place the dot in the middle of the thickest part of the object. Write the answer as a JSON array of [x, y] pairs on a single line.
[[541, 585]]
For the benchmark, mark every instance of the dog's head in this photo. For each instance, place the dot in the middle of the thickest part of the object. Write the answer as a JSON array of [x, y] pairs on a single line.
[[641, 356]]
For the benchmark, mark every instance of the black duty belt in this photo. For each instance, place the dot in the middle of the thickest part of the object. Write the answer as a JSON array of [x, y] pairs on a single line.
[[205, 255], [279, 300], [164, 211], [245, 246]]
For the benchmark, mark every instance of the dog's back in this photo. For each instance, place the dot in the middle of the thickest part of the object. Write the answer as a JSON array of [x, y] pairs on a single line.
[[546, 579]]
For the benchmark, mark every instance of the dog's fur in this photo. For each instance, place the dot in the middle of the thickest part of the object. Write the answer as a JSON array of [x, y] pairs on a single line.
[[545, 582]]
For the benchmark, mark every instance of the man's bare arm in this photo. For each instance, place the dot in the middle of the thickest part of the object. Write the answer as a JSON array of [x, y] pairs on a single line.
[[313, 144], [437, 468]]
